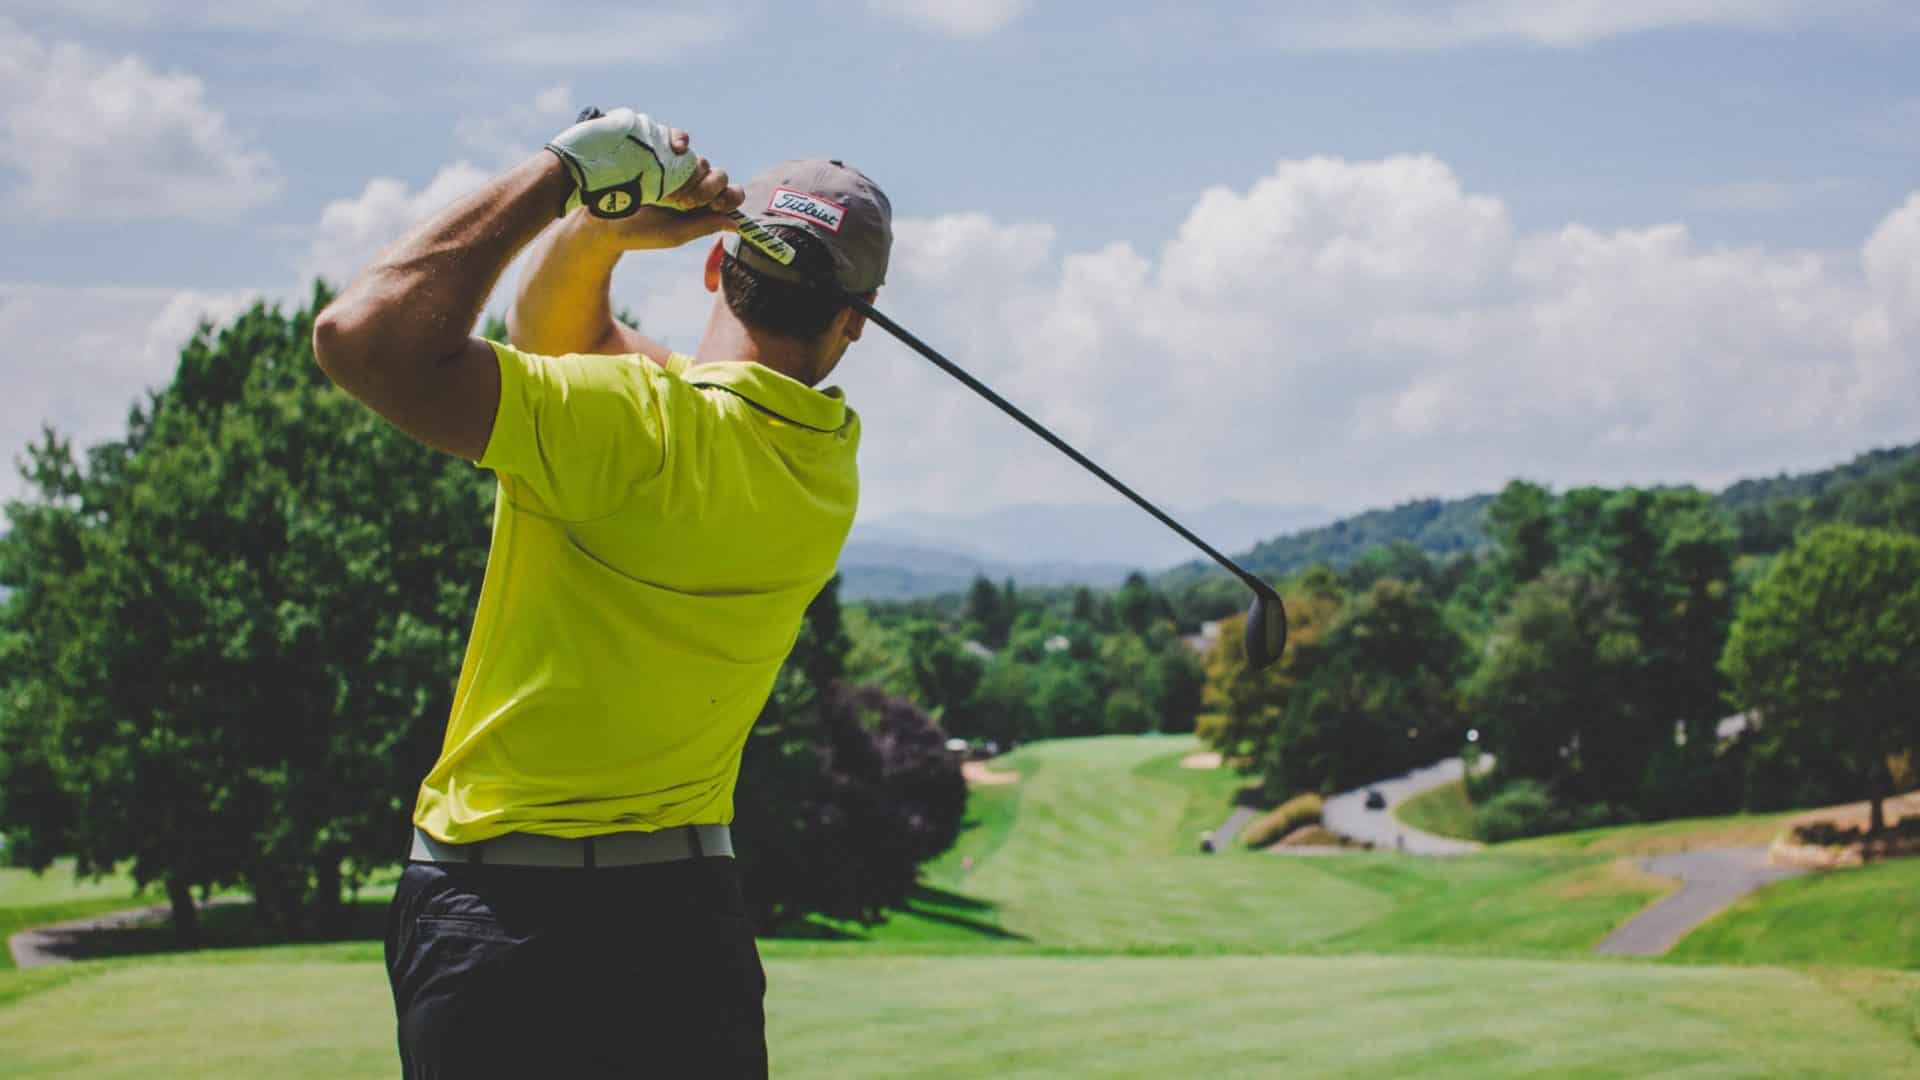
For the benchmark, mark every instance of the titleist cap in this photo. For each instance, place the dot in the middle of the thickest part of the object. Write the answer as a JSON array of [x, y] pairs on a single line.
[[836, 206]]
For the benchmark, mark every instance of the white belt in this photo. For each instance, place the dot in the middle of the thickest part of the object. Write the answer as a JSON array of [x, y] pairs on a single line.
[[587, 852]]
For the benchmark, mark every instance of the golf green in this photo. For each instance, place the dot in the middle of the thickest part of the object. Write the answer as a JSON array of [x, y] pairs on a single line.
[[324, 1013]]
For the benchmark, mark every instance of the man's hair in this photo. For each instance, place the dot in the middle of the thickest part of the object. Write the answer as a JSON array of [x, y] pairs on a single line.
[[783, 307]]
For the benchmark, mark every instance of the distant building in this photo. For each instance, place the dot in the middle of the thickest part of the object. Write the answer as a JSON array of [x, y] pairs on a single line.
[[1204, 641]]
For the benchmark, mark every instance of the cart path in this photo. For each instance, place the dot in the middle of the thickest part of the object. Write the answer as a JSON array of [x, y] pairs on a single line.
[[1347, 813], [1712, 878], [58, 943], [1230, 828]]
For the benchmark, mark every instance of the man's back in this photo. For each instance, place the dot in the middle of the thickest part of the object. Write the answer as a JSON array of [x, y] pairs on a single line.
[[658, 535]]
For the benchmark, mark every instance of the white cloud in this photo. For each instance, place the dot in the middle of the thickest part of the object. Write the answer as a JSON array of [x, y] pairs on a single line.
[[351, 232], [1766, 196], [1422, 25], [580, 34], [1351, 333], [955, 18], [110, 139], [79, 358], [505, 137]]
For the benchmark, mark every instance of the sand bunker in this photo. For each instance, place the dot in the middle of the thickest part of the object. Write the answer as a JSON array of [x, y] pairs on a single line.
[[981, 773], [1205, 759]]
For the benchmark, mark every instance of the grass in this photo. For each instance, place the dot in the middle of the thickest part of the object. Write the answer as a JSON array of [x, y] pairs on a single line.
[[1073, 931], [1092, 851], [1208, 794], [1867, 916], [1685, 834], [28, 899], [1443, 811], [879, 1015]]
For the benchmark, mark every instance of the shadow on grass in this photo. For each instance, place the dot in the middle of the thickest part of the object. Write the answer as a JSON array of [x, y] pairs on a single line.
[[957, 910], [223, 925]]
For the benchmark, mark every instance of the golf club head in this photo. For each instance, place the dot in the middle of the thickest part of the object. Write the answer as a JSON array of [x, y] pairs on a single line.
[[1266, 627]]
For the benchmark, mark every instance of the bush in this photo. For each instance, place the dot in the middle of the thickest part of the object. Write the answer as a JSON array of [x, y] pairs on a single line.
[[1283, 819], [1522, 808]]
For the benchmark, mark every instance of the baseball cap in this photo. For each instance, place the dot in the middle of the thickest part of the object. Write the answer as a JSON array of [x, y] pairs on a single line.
[[836, 206]]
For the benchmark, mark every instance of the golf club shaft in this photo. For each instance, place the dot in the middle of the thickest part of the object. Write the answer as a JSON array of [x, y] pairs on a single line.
[[1037, 428]]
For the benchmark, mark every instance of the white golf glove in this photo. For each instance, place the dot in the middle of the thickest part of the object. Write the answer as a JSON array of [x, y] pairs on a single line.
[[620, 161]]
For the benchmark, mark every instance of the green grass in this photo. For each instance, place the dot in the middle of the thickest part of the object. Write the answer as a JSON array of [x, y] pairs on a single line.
[[24, 888], [1685, 834], [1443, 811], [1073, 931], [1207, 794], [1867, 916], [1093, 851], [28, 899], [324, 1012]]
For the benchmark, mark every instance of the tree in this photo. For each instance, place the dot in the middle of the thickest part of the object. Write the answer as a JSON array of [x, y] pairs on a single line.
[[843, 791], [1381, 701], [233, 639], [1520, 523], [1823, 652], [1547, 696], [1245, 706], [987, 608]]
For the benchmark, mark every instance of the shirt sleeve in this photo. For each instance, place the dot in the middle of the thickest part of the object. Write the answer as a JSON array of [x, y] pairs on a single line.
[[575, 435]]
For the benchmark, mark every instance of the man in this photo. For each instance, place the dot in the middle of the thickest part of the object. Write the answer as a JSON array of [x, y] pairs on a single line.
[[571, 907]]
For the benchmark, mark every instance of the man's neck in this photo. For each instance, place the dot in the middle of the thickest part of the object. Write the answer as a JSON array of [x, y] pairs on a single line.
[[727, 338]]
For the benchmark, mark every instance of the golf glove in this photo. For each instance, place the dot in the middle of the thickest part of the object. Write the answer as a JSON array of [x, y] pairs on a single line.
[[620, 161]]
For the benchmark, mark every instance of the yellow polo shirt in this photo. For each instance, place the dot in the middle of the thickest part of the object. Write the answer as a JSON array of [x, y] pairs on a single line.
[[658, 533]]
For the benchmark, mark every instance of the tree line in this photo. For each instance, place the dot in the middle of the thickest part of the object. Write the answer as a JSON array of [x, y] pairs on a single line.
[[230, 639], [1595, 648]]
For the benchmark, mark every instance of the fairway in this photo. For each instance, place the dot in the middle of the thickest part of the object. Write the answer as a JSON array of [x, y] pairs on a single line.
[[325, 1013], [1075, 930]]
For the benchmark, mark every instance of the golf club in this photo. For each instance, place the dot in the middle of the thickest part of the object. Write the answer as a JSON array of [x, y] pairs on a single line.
[[1266, 618]]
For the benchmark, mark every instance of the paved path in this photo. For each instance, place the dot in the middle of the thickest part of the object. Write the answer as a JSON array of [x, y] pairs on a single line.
[[1347, 813], [1713, 878], [61, 942], [1231, 827]]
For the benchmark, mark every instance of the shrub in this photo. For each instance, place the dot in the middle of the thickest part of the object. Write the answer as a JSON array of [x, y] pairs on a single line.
[[1522, 808], [1283, 819]]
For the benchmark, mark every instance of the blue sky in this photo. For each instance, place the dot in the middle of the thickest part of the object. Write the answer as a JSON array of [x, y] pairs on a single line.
[[1331, 254]]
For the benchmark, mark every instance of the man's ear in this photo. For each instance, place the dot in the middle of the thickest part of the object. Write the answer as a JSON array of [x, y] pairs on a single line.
[[713, 266], [856, 321]]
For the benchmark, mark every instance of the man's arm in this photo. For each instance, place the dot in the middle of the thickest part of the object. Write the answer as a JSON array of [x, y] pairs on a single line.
[[399, 338], [563, 303]]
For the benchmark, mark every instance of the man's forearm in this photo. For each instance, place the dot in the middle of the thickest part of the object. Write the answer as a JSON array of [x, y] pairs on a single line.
[[563, 301], [417, 304]]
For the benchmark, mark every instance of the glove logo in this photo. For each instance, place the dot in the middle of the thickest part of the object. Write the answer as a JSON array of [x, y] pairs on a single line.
[[613, 203]]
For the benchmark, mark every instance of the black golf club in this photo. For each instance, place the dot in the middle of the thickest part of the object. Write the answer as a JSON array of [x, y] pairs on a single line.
[[1266, 618]]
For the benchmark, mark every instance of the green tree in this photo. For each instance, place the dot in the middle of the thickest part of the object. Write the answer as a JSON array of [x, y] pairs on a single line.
[[234, 634], [987, 608], [1245, 706], [1547, 695], [1823, 652], [1381, 701]]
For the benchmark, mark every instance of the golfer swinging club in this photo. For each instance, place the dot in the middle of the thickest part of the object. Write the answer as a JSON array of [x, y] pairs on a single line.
[[571, 907]]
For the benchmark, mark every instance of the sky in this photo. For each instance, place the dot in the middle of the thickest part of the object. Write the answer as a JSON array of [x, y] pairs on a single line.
[[1288, 253]]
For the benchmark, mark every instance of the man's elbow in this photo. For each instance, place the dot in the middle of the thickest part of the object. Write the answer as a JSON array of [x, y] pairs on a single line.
[[339, 344]]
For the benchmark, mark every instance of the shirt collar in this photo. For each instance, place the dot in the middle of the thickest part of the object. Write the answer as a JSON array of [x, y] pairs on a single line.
[[783, 396]]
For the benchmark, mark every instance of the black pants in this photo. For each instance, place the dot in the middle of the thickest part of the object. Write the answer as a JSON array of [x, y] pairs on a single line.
[[628, 971]]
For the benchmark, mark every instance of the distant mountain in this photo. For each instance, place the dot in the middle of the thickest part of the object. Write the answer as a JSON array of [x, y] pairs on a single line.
[[1118, 534], [1439, 527], [894, 567], [1766, 511]]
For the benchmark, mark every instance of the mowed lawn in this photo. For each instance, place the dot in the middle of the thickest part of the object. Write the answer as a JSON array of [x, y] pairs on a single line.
[[323, 1012], [1075, 930], [1867, 915]]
